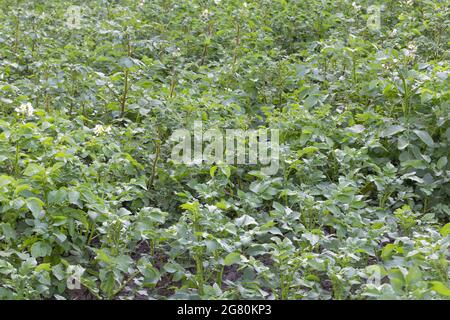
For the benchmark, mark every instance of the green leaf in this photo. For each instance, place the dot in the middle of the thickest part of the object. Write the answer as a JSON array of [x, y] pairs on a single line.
[[278, 207], [357, 128], [33, 169], [392, 130], [74, 197], [387, 251], [170, 267], [414, 275], [8, 231], [5, 180], [212, 171], [150, 273], [43, 266], [190, 206], [126, 62], [154, 214], [40, 249], [440, 288], [245, 220], [107, 282], [57, 197], [312, 238], [35, 205], [226, 171], [442, 162], [402, 143], [58, 271], [311, 101], [232, 258], [102, 256], [123, 262], [307, 150], [425, 137], [445, 230]]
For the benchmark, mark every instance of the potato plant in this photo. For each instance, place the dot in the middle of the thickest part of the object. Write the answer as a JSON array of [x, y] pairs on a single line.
[[93, 206]]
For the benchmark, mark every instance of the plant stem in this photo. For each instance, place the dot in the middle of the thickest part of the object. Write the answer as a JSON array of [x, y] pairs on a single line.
[[16, 162], [123, 100], [17, 35], [405, 97], [126, 75], [155, 162], [238, 42], [173, 81], [124, 284]]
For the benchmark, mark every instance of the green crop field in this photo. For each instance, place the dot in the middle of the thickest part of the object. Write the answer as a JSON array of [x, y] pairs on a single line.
[[221, 149]]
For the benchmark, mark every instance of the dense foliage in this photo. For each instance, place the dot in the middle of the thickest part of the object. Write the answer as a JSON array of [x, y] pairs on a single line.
[[87, 186]]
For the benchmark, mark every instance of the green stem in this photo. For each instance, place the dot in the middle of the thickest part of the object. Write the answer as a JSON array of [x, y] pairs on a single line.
[[91, 234], [17, 35], [155, 163], [123, 100], [124, 284], [16, 162], [220, 276]]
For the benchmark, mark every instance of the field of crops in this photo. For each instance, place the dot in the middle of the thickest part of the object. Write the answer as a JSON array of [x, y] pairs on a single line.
[[351, 201]]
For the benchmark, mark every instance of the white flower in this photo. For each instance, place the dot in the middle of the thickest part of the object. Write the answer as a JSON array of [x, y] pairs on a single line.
[[355, 6], [25, 109], [205, 14], [141, 4], [100, 129], [412, 47], [176, 52], [245, 4], [393, 33], [217, 2], [411, 50]]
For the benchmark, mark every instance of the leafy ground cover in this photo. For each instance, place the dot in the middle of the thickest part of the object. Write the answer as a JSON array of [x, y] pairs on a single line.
[[88, 194]]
